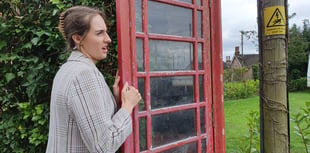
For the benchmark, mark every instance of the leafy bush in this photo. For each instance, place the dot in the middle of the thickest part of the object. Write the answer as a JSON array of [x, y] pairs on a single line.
[[237, 90], [255, 72], [250, 142], [298, 84], [302, 128], [31, 51]]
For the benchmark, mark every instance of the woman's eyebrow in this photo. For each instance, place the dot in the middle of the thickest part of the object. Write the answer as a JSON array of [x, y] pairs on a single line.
[[101, 30]]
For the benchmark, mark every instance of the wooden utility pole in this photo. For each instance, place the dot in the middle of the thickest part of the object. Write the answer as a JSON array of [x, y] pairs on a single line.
[[274, 108]]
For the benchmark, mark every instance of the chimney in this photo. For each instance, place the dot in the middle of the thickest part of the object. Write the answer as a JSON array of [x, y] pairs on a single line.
[[237, 53], [228, 59]]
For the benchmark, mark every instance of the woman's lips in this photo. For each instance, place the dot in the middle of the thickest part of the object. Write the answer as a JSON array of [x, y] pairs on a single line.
[[105, 49]]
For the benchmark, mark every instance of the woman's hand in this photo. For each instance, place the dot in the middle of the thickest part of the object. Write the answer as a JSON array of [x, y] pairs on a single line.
[[130, 97], [116, 87]]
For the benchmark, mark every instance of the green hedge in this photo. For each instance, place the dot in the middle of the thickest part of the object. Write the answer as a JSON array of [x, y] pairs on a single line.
[[298, 84], [238, 90], [31, 51]]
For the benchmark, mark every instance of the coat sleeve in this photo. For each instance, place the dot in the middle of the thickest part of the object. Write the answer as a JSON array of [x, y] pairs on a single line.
[[92, 106]]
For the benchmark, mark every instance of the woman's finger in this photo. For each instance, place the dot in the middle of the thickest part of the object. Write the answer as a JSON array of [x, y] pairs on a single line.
[[125, 87]]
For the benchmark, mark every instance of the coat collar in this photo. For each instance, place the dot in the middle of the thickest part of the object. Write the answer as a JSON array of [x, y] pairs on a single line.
[[80, 57]]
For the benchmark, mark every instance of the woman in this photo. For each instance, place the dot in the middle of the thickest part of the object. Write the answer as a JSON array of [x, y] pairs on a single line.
[[83, 111]]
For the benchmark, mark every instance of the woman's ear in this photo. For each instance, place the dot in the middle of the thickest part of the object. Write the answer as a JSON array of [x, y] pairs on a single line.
[[77, 39]]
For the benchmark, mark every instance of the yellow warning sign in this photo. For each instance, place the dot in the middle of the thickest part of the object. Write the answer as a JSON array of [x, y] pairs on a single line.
[[274, 20]]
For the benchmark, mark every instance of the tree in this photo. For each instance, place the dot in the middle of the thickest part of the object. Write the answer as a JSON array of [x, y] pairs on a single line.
[[298, 50], [306, 32]]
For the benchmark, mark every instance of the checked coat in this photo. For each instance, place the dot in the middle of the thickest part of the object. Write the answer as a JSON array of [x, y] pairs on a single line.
[[83, 112]]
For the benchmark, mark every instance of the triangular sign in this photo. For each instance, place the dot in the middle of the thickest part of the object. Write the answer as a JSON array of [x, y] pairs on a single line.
[[276, 19]]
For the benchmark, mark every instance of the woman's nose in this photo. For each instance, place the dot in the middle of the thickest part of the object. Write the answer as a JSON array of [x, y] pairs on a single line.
[[107, 38]]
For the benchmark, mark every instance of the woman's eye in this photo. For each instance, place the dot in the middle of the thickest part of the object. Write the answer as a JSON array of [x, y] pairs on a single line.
[[99, 32]]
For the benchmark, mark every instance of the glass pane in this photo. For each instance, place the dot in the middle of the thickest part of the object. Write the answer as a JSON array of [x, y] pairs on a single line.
[[202, 120], [188, 148], [169, 19], [170, 55], [141, 90], [203, 146], [201, 91], [171, 91], [199, 30], [138, 15], [200, 67], [187, 1], [198, 2], [142, 134], [172, 127], [140, 59]]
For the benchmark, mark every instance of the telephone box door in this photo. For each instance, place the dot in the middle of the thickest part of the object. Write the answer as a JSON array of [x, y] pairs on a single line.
[[171, 51]]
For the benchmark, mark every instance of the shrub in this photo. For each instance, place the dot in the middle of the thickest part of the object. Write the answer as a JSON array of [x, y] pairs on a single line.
[[237, 90], [255, 71], [298, 84], [302, 128], [250, 142]]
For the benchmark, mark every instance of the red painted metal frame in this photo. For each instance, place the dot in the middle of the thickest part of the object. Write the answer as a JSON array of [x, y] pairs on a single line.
[[217, 77], [124, 53], [212, 73]]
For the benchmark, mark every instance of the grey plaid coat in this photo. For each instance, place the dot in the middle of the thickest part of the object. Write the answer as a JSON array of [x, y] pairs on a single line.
[[83, 113]]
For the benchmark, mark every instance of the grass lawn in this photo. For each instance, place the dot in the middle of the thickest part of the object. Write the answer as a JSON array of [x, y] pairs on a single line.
[[236, 119]]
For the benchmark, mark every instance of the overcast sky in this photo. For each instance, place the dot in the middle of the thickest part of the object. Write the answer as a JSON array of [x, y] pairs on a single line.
[[240, 15]]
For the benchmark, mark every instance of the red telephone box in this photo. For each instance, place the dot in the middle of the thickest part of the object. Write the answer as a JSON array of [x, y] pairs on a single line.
[[171, 51]]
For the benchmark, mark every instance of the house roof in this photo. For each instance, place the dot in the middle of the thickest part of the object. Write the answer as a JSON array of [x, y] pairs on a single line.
[[248, 59]]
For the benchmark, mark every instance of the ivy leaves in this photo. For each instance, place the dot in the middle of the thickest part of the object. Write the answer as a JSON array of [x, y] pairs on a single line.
[[31, 51]]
